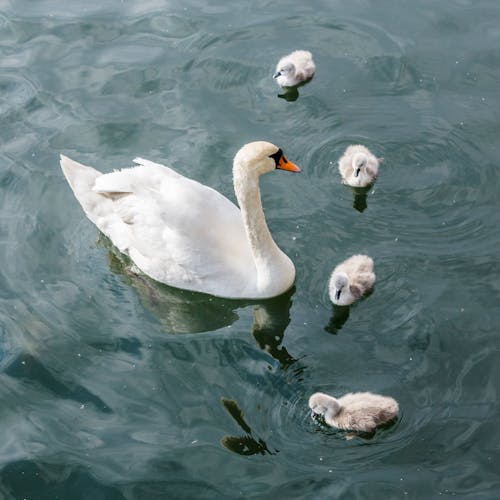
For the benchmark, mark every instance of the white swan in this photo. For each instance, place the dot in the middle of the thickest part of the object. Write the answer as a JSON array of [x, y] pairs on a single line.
[[188, 235], [358, 167], [356, 411], [295, 68], [351, 279]]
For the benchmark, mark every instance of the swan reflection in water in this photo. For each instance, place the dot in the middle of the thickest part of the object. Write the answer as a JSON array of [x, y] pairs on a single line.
[[246, 444], [270, 320], [178, 311], [183, 311]]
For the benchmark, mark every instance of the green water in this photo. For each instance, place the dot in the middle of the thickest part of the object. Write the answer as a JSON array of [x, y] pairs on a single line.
[[114, 387]]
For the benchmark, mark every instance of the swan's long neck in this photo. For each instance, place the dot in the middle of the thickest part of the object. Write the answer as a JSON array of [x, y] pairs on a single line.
[[275, 271]]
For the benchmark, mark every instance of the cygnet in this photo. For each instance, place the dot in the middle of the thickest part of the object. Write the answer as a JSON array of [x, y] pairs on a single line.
[[356, 411], [295, 68], [351, 279], [358, 166]]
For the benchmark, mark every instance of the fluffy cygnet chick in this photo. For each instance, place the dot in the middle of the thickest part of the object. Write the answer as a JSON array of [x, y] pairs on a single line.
[[356, 411], [295, 68], [351, 279], [358, 166]]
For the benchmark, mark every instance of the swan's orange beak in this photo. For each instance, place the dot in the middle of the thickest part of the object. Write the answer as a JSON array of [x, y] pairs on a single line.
[[284, 164]]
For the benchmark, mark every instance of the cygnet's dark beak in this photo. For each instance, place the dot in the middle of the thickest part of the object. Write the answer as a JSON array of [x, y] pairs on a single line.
[[278, 73], [337, 295], [317, 417], [357, 172]]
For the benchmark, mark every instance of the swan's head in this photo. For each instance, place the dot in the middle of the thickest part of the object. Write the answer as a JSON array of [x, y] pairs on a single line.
[[285, 73], [339, 283], [321, 404], [257, 158], [359, 163]]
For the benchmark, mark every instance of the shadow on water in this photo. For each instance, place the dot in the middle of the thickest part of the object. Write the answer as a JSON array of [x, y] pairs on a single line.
[[243, 445], [31, 371], [291, 94], [183, 311], [338, 319]]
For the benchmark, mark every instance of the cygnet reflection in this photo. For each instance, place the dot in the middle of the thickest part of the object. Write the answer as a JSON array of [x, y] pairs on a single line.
[[246, 444], [339, 317], [360, 196]]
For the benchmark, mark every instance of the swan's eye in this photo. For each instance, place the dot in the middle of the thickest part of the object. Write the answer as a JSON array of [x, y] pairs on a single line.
[[277, 156]]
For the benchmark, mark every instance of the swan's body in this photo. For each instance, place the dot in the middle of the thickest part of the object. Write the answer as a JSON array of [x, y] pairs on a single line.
[[358, 167], [351, 279], [295, 68], [357, 411], [185, 234]]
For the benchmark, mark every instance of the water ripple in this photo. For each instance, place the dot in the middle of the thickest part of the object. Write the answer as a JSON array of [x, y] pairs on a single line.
[[99, 391]]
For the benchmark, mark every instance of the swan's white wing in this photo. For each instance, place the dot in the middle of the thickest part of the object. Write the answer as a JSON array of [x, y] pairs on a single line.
[[176, 230], [121, 181]]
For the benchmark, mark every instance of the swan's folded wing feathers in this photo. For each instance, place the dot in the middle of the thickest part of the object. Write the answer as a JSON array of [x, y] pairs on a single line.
[[179, 231], [119, 182], [166, 171], [147, 175]]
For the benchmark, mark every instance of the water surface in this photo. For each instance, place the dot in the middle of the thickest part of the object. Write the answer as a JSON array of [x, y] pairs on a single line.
[[115, 387]]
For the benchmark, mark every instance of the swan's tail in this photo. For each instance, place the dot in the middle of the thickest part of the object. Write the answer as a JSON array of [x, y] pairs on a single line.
[[79, 177], [81, 180], [98, 207]]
